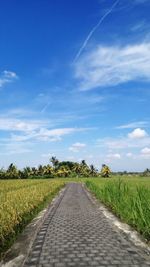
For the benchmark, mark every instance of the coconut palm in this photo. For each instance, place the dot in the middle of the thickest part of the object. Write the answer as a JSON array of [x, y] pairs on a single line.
[[77, 169], [48, 170], [55, 162], [62, 172], [40, 170], [25, 173], [105, 171], [12, 172], [34, 171], [93, 170], [2, 174]]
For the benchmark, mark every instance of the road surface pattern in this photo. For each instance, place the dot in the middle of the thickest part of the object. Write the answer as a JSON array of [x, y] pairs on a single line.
[[76, 233]]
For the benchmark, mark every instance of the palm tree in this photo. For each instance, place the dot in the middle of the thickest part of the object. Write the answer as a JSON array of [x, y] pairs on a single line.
[[93, 170], [62, 172], [105, 171], [146, 172], [55, 162], [85, 171], [3, 174], [34, 171], [25, 173], [12, 172], [77, 169], [40, 169], [83, 162], [48, 170]]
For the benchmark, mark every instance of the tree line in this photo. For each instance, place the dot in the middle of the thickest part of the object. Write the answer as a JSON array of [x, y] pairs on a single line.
[[54, 169]]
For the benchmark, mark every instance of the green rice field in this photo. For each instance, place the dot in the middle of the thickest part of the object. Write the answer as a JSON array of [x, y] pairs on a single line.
[[128, 198]]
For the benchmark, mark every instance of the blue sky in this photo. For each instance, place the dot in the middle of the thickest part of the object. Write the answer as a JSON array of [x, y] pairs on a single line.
[[74, 82]]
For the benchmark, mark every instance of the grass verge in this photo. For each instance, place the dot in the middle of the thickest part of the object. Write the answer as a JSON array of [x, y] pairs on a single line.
[[130, 202]]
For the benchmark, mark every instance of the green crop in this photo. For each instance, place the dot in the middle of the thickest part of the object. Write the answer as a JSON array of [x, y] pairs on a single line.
[[128, 198]]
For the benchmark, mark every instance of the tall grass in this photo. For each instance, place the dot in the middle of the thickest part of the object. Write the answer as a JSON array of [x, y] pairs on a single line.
[[130, 203]]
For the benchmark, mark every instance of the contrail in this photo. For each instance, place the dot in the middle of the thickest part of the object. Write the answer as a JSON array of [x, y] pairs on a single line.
[[45, 107], [93, 30]]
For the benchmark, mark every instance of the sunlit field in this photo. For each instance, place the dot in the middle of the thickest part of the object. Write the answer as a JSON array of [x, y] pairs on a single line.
[[21, 200], [129, 198]]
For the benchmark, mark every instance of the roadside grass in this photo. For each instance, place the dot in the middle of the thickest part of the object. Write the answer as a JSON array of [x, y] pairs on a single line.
[[128, 198]]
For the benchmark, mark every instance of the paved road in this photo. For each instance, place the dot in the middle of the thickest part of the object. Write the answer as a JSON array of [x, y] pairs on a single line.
[[76, 233]]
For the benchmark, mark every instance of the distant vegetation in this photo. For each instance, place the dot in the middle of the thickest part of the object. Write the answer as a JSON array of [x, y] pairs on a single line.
[[62, 169], [56, 168]]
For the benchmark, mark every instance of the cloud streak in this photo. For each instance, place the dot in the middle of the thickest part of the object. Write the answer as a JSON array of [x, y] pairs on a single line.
[[93, 30], [133, 125], [20, 125], [47, 135], [113, 65], [7, 77], [45, 107]]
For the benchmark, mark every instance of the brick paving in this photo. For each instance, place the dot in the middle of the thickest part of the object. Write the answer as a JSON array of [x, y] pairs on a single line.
[[76, 233]]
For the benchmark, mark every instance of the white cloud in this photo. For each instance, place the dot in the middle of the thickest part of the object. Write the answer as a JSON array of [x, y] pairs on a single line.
[[113, 65], [125, 142], [7, 77], [44, 134], [77, 147], [20, 143], [21, 131], [133, 125], [13, 124], [145, 151], [9, 74], [114, 156], [56, 134], [137, 133], [113, 143], [129, 155]]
